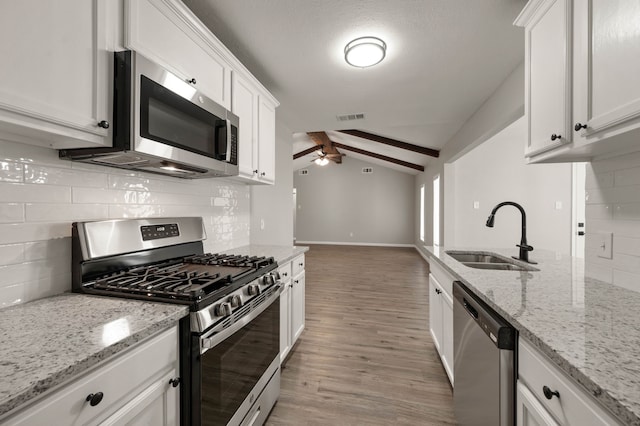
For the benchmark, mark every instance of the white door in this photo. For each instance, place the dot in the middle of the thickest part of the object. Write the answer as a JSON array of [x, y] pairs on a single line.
[[529, 411]]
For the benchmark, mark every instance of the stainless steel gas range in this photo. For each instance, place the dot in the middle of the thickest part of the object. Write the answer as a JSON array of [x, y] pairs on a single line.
[[230, 371]]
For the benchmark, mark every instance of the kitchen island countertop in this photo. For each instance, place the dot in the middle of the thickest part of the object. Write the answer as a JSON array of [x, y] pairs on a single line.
[[590, 329], [50, 341]]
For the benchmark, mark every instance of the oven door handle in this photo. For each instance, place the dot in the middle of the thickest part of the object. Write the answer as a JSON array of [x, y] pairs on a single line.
[[218, 333]]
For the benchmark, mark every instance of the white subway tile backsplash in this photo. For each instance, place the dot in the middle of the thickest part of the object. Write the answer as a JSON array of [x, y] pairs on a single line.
[[11, 212], [11, 172], [30, 193], [41, 195], [613, 205], [61, 176], [11, 253]]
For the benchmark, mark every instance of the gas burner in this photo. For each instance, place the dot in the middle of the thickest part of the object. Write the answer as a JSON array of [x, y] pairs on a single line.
[[230, 260]]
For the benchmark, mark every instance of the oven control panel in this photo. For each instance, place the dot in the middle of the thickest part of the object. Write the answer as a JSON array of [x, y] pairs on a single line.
[[155, 232]]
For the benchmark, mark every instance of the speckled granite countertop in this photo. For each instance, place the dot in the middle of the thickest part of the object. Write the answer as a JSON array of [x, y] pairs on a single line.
[[282, 254], [49, 341], [589, 328]]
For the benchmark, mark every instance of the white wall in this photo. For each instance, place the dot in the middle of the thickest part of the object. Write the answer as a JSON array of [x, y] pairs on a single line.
[[613, 206], [502, 108], [335, 201], [41, 195], [496, 171], [273, 204]]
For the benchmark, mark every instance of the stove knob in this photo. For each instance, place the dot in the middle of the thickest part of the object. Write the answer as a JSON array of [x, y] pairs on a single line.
[[253, 289], [276, 275], [235, 301], [268, 280], [223, 309]]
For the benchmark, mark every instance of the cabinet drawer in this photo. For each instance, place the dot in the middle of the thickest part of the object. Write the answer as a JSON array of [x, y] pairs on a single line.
[[285, 272], [574, 406], [443, 277], [297, 265], [118, 380]]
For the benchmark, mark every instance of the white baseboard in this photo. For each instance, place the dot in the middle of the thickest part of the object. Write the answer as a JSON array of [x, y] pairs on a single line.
[[335, 243]]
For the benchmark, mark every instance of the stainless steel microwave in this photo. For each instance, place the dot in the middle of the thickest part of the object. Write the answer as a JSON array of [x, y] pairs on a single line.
[[164, 124]]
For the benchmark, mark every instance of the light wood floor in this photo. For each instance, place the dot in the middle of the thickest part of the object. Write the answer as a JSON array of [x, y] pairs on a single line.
[[366, 356]]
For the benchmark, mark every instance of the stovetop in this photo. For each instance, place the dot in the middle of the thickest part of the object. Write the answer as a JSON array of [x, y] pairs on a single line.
[[198, 280]]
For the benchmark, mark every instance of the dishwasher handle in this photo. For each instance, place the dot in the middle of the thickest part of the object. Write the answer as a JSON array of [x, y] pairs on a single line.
[[469, 308]]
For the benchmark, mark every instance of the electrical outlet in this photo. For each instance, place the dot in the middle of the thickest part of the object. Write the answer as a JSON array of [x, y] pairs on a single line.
[[558, 205], [604, 244], [476, 205], [351, 234], [261, 223]]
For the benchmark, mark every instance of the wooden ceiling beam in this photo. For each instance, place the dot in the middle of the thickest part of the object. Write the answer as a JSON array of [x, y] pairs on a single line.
[[380, 157], [328, 147], [305, 152], [392, 142]]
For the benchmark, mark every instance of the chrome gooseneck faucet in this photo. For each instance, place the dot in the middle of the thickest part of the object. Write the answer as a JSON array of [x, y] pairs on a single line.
[[524, 247]]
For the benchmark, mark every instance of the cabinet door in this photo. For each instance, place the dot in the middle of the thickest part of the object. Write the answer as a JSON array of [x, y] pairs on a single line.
[[55, 79], [159, 404], [607, 63], [529, 411], [285, 321], [297, 307], [166, 32], [435, 313], [267, 141], [244, 104], [548, 77], [447, 334]]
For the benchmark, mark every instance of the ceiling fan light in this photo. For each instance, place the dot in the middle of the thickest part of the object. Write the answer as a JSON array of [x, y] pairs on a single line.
[[321, 161], [365, 52]]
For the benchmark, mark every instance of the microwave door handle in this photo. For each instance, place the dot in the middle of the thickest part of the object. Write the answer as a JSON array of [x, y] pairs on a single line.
[[227, 156]]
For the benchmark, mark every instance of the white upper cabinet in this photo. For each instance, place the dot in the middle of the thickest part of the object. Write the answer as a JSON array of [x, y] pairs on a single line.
[[168, 33], [582, 62], [55, 78], [256, 151]]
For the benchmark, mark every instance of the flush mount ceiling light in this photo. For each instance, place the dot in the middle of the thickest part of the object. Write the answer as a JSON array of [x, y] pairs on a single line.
[[365, 51]]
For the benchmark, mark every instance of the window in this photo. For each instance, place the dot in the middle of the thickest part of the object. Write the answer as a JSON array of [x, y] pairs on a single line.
[[422, 213], [436, 210]]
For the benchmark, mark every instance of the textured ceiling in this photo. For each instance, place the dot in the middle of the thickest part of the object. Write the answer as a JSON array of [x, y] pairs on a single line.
[[444, 59]]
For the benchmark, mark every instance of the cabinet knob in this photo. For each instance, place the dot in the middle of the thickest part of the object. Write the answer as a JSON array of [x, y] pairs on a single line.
[[548, 393], [262, 174], [174, 382], [554, 137], [286, 274], [104, 124], [579, 126], [300, 264], [295, 281], [192, 81], [438, 291], [255, 171], [94, 398]]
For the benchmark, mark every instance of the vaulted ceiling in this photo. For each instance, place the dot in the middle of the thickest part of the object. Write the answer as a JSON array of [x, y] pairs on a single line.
[[444, 59]]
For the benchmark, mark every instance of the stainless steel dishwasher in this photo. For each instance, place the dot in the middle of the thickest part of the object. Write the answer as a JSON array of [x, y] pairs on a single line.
[[484, 362]]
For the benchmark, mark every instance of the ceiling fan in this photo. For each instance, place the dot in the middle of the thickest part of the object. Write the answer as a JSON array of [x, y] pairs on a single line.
[[327, 151], [323, 158]]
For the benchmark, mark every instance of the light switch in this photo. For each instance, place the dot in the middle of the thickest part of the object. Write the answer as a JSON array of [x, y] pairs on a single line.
[[476, 204], [604, 245], [558, 205], [261, 223]]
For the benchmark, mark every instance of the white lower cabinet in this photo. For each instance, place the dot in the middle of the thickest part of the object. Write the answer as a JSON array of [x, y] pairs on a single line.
[[134, 388], [546, 396], [441, 323], [292, 305]]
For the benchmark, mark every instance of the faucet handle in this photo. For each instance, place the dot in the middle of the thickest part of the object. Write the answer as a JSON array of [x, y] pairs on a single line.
[[526, 247]]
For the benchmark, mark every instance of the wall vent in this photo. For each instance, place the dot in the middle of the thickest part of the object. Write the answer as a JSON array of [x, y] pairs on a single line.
[[303, 172], [367, 170], [349, 117]]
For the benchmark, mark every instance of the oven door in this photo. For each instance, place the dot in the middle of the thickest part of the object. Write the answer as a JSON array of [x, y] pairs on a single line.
[[235, 365]]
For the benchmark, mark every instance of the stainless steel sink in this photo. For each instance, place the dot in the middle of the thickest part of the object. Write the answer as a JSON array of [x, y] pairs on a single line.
[[484, 260]]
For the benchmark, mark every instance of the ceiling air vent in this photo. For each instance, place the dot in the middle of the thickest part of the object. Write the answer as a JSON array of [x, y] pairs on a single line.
[[350, 117], [367, 170], [304, 172]]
